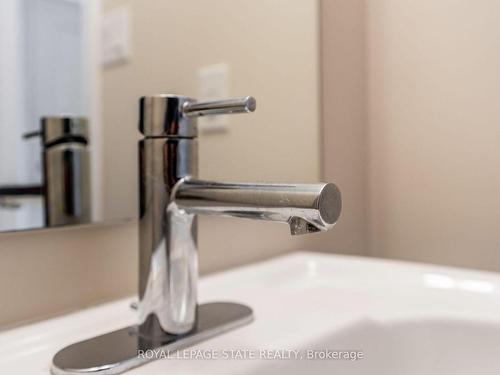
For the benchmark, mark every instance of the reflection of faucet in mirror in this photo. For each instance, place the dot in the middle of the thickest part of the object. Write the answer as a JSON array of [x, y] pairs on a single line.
[[66, 171], [171, 197]]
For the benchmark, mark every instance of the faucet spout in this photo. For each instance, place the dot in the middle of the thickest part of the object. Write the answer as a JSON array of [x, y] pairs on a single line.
[[307, 208]]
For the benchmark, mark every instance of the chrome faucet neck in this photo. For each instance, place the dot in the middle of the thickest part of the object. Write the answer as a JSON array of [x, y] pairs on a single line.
[[168, 270]]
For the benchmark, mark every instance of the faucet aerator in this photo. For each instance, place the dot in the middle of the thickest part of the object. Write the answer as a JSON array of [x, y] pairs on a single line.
[[300, 226]]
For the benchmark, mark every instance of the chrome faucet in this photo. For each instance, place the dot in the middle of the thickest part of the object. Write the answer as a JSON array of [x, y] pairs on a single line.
[[170, 198]]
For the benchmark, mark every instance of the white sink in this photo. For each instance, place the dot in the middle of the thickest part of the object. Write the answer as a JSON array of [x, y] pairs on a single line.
[[402, 318]]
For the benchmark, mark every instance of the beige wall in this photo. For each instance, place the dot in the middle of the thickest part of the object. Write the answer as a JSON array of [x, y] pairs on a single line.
[[411, 93], [344, 120], [434, 130], [48, 272]]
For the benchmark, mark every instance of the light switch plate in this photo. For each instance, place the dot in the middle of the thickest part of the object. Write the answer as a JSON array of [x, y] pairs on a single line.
[[116, 36], [214, 85]]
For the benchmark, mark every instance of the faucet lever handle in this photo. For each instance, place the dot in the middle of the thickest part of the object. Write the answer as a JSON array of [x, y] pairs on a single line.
[[219, 107]]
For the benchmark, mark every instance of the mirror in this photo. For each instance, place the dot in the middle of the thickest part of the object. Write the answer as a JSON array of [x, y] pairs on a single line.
[[45, 174], [72, 73]]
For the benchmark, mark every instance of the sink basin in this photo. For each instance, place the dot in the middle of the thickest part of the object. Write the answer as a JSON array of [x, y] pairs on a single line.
[[316, 314]]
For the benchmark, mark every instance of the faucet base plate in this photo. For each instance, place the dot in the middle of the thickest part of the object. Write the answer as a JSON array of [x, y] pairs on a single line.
[[124, 349]]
